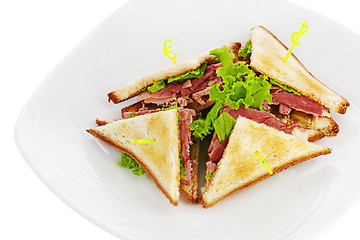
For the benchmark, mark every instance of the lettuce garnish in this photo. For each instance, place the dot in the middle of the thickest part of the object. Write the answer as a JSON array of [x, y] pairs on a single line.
[[240, 84], [197, 73], [129, 162], [182, 168], [223, 125], [290, 90], [203, 127], [245, 51], [156, 87], [209, 175]]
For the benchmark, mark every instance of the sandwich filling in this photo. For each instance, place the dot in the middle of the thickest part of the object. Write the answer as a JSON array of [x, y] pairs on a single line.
[[245, 92], [233, 88]]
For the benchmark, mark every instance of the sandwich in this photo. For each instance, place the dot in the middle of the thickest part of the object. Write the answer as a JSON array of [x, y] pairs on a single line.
[[159, 157], [241, 165], [230, 90]]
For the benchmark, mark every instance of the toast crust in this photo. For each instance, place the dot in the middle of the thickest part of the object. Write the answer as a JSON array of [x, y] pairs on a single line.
[[132, 88], [97, 132], [239, 168], [264, 176], [190, 191], [266, 57]]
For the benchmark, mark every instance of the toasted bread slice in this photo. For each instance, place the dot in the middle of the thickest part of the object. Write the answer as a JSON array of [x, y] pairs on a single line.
[[190, 191], [325, 124], [267, 53], [240, 167], [160, 159], [132, 88]]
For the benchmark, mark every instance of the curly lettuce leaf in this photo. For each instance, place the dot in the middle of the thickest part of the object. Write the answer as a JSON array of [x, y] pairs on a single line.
[[129, 162], [240, 84], [223, 125], [197, 73], [156, 87], [245, 51], [202, 127], [289, 89]]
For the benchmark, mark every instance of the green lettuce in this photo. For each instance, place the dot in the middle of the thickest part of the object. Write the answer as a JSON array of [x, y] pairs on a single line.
[[182, 169], [202, 127], [245, 51], [284, 87], [156, 86], [223, 125], [129, 162], [209, 175], [240, 84], [197, 73]]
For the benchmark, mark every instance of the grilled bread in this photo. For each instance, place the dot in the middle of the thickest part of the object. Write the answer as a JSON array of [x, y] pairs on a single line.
[[160, 159], [240, 167]]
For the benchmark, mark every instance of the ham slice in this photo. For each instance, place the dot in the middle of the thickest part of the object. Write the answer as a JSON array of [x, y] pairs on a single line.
[[284, 109], [138, 113], [216, 148], [201, 83], [176, 89], [260, 117], [185, 139], [163, 96], [300, 103]]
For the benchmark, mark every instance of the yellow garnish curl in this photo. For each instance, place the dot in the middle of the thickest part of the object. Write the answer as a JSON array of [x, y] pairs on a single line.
[[167, 53], [294, 39], [143, 141], [263, 162]]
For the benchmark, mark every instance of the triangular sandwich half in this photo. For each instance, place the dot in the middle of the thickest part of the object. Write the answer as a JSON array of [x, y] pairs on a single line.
[[267, 54], [160, 159], [240, 167]]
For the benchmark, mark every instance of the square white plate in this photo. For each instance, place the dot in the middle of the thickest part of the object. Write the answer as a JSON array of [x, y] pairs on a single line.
[[298, 203]]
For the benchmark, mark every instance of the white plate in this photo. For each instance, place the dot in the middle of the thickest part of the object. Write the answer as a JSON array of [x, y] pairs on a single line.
[[298, 203]]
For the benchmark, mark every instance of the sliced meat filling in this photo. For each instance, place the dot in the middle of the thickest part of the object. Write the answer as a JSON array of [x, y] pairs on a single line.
[[182, 92], [185, 139], [186, 115], [217, 148], [288, 101]]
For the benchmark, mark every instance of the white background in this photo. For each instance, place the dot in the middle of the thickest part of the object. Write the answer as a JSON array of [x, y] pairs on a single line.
[[34, 36]]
